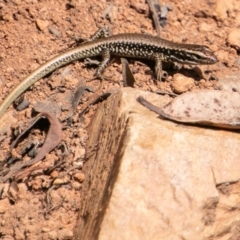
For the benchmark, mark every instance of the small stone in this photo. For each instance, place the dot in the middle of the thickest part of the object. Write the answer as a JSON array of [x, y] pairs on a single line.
[[113, 13], [222, 56], [45, 229], [78, 163], [79, 177], [181, 84], [139, 6], [214, 47], [204, 27], [78, 152], [54, 174], [234, 38], [59, 181], [41, 24], [55, 32], [76, 185], [23, 105]]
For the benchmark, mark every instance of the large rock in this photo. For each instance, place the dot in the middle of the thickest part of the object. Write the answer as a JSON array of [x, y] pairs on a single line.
[[148, 178]]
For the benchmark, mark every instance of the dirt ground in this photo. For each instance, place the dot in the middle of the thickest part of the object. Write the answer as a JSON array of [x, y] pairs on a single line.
[[45, 205]]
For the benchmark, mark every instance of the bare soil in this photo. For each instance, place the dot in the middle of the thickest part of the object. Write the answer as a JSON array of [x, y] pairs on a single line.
[[45, 205]]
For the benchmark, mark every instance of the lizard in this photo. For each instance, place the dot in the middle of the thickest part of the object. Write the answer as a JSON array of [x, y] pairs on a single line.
[[122, 45]]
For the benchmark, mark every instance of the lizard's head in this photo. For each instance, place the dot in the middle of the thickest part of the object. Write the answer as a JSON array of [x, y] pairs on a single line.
[[194, 55]]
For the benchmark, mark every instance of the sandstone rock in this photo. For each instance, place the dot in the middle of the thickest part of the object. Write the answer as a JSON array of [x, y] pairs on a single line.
[[152, 178]]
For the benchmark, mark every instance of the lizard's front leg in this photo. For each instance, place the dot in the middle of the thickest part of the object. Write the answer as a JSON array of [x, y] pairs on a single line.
[[158, 67]]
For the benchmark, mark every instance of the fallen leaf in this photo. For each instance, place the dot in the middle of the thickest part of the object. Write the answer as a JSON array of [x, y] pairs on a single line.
[[213, 108], [78, 94], [53, 138]]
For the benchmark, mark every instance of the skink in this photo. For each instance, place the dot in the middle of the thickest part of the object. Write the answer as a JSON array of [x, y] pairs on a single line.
[[123, 45]]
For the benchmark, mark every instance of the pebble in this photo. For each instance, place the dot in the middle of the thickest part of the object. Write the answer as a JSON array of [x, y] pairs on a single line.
[[54, 174], [222, 56], [204, 27], [139, 6], [181, 84], [59, 181], [41, 24], [76, 185], [55, 32], [214, 47], [113, 14], [79, 177], [46, 229], [23, 105], [234, 38]]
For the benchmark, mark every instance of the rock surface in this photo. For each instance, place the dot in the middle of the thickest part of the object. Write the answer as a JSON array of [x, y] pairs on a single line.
[[161, 181]]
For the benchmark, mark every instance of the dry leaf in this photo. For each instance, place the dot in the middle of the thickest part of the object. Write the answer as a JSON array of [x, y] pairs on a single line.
[[213, 108], [53, 138]]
